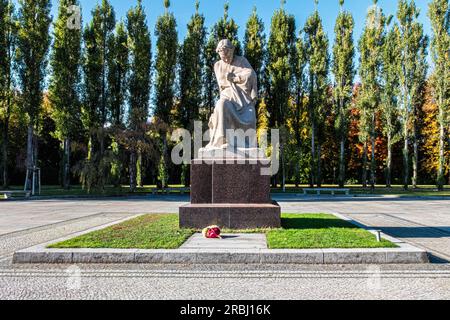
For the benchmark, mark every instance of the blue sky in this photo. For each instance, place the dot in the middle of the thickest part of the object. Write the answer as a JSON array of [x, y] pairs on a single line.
[[241, 9]]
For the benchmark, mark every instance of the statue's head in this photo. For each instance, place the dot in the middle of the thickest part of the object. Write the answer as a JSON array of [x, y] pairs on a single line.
[[226, 50]]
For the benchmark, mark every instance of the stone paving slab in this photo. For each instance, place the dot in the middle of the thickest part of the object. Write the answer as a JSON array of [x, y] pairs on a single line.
[[228, 241]]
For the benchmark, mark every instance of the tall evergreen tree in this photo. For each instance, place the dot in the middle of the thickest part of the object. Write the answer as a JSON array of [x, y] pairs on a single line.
[[139, 84], [413, 46], [439, 13], [227, 28], [255, 46], [118, 66], [344, 72], [281, 58], [191, 76], [389, 94], [371, 48], [8, 39], [64, 91], [255, 52], [32, 55], [97, 53], [117, 74], [418, 100], [166, 62], [316, 45], [297, 114], [210, 85], [191, 70]]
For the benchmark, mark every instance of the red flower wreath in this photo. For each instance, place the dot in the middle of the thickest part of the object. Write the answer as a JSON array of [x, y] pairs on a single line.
[[212, 232]]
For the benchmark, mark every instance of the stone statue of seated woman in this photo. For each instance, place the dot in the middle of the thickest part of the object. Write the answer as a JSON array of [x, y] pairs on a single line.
[[233, 123]]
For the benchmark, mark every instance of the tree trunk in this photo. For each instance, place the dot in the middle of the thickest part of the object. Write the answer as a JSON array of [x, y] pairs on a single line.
[[389, 162], [415, 162], [319, 165], [140, 172], [373, 164], [313, 156], [5, 154], [35, 157], [29, 161], [90, 148], [406, 164], [342, 164], [283, 168], [102, 142], [66, 164], [364, 173], [133, 171], [165, 156], [440, 177]]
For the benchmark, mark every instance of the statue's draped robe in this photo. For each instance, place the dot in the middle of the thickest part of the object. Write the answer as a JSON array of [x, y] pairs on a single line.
[[236, 106]]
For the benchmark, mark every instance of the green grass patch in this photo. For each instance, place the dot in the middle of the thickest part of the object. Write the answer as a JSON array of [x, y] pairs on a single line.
[[152, 231], [319, 231], [299, 231]]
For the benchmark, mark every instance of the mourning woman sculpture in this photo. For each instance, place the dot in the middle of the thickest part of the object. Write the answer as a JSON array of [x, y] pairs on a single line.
[[236, 107]]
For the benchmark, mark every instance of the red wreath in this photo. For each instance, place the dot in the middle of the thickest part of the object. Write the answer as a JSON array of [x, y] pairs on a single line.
[[212, 232]]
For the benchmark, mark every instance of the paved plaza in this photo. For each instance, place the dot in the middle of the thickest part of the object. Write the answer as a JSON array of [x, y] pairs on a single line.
[[421, 222]]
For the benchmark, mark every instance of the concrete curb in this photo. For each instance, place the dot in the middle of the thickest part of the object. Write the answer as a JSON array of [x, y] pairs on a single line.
[[404, 254]]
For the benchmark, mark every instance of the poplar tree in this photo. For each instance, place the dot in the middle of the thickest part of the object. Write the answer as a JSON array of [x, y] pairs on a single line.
[[255, 46], [33, 44], [298, 104], [227, 28], [192, 64], [8, 39], [64, 90], [166, 62], [371, 49], [439, 13], [139, 42], [97, 52], [316, 46], [117, 75], [343, 67], [116, 96], [191, 77], [389, 94], [413, 44], [210, 82], [418, 100], [280, 70]]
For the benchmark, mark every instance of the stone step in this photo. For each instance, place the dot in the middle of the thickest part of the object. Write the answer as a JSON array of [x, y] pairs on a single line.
[[231, 216]]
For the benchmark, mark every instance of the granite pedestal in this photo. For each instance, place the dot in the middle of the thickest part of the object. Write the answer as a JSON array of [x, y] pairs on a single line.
[[230, 193]]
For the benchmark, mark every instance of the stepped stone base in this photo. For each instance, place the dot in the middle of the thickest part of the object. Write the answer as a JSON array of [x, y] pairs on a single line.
[[231, 216], [231, 191], [221, 182]]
